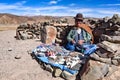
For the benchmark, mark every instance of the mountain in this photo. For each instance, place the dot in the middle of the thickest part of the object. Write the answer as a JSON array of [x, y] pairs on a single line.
[[6, 18], [13, 19]]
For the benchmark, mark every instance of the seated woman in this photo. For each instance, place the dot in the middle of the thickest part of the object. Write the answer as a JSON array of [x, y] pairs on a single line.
[[80, 36]]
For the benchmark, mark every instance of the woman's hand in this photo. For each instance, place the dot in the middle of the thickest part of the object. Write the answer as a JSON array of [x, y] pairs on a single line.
[[80, 42], [73, 41]]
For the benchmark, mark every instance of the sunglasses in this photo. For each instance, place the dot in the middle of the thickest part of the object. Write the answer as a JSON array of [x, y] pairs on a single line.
[[79, 20]]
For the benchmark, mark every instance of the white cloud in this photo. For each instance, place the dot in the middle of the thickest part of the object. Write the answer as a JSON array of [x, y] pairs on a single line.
[[97, 15], [96, 12], [6, 6], [72, 4], [20, 9], [109, 12], [110, 5], [58, 14], [81, 10], [51, 8], [20, 3], [53, 2]]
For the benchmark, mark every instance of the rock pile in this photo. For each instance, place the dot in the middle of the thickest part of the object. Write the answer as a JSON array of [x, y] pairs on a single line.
[[47, 32], [28, 31], [106, 59], [103, 62]]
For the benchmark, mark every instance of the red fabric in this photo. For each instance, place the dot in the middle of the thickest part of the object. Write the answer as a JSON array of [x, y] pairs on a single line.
[[87, 28]]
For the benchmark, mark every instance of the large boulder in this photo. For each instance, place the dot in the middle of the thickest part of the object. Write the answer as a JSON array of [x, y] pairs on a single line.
[[97, 71], [48, 34], [116, 19], [113, 74], [114, 39]]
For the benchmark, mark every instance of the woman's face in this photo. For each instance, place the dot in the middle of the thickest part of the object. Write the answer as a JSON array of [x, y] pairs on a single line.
[[78, 22]]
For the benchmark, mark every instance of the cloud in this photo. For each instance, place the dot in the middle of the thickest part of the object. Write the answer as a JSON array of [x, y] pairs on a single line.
[[6, 6], [57, 14], [20, 9], [81, 10], [51, 8], [23, 10], [53, 2], [72, 4], [20, 3], [109, 12], [96, 12], [110, 5], [17, 5]]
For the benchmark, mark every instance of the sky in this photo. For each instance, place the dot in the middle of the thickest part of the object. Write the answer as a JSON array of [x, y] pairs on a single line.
[[89, 8]]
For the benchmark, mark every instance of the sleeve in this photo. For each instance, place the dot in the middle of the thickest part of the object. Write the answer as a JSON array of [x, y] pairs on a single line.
[[70, 36]]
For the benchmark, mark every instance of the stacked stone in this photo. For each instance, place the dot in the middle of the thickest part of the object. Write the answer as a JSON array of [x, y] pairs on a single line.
[[28, 31], [62, 32], [103, 62], [106, 59], [54, 31], [108, 26], [110, 39], [48, 32]]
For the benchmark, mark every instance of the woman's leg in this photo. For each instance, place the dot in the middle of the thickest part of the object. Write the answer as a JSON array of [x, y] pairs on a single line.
[[70, 46]]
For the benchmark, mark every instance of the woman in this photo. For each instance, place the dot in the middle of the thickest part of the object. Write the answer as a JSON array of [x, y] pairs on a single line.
[[80, 35]]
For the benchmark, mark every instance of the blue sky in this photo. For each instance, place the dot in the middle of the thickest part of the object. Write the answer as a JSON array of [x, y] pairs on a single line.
[[89, 8]]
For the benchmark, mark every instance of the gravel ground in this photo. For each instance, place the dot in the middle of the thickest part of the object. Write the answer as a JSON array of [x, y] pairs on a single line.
[[24, 68]]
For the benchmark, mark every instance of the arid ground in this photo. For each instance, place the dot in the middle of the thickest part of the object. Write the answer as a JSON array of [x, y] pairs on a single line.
[[24, 68]]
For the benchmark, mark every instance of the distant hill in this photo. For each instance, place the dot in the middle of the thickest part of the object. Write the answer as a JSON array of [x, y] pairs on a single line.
[[6, 18], [13, 19]]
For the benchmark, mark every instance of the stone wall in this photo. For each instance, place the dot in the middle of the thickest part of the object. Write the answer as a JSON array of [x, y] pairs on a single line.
[[47, 32], [103, 62]]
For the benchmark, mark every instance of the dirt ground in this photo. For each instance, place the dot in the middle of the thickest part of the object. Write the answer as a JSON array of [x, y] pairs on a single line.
[[24, 68], [8, 27]]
